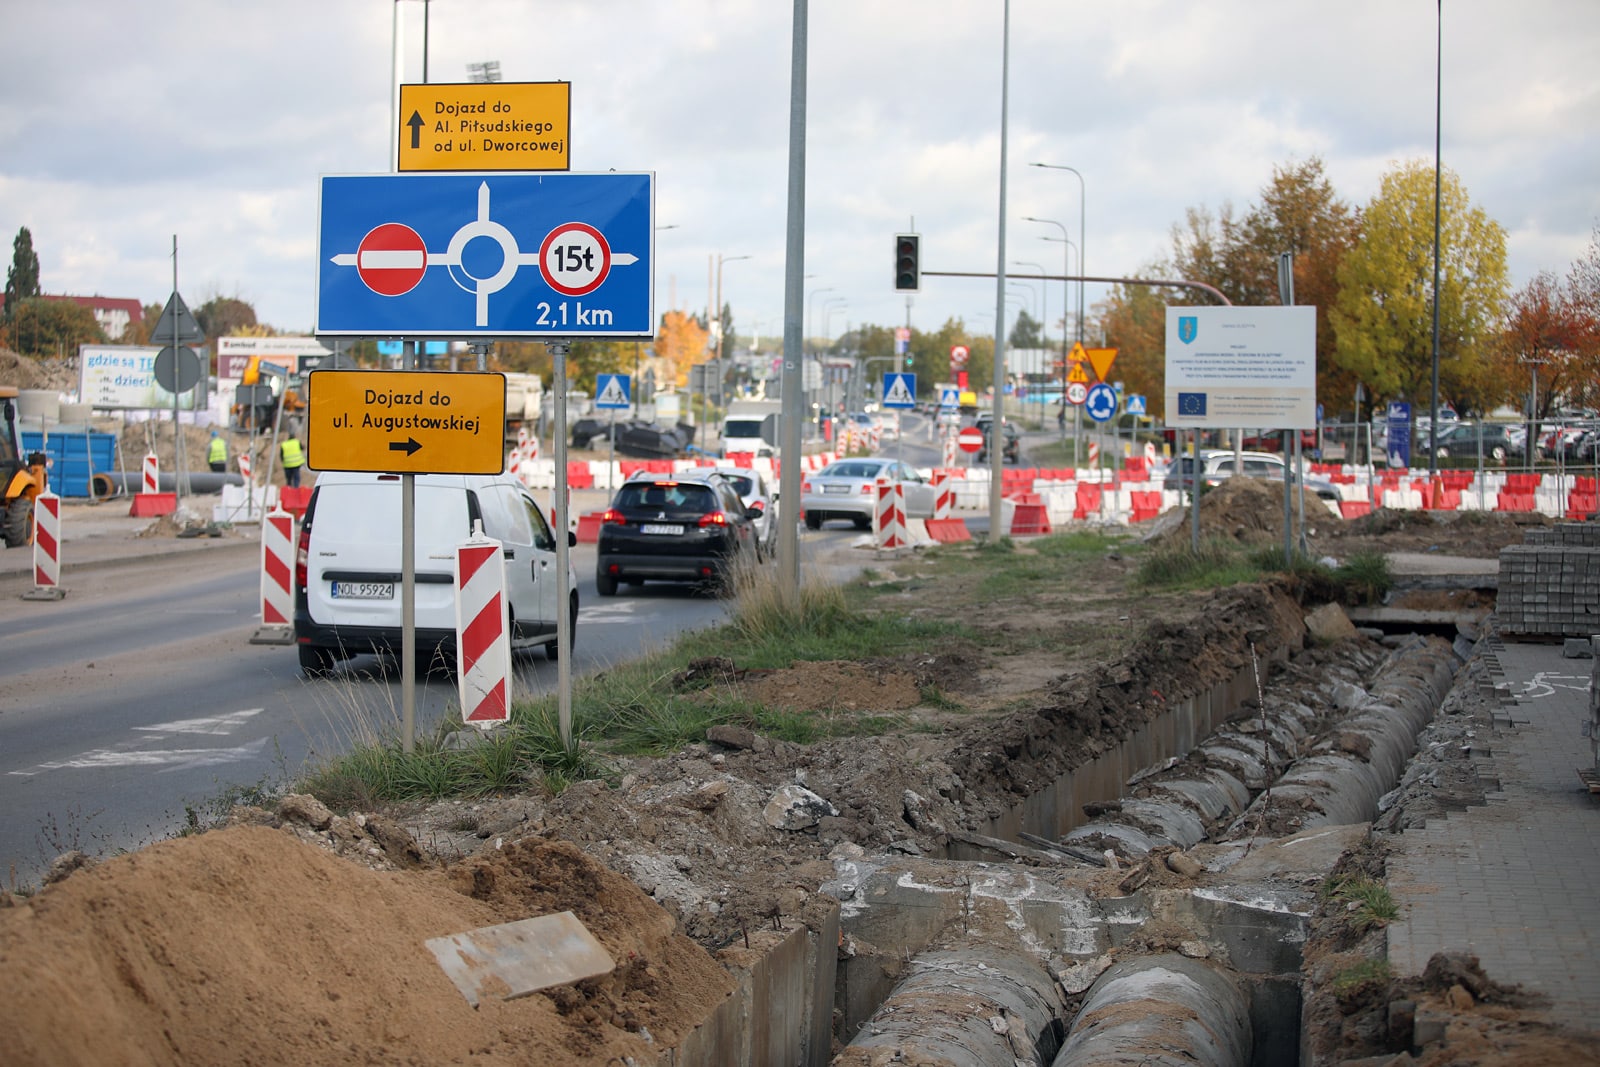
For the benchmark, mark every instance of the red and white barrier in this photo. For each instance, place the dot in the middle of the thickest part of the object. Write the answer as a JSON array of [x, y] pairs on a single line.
[[152, 474], [277, 569], [47, 546], [944, 495], [244, 467], [889, 517], [483, 641], [951, 448]]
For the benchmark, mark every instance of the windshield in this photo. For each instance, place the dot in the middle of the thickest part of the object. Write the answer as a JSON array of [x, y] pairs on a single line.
[[853, 470]]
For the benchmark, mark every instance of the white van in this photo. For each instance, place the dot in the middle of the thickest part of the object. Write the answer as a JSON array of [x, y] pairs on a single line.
[[347, 565]]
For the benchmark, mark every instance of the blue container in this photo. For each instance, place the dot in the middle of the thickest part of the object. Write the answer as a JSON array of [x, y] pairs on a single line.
[[74, 458]]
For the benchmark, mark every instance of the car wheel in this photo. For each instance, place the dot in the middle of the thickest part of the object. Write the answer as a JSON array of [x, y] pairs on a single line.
[[316, 662], [605, 585], [813, 520], [1498, 454], [552, 651]]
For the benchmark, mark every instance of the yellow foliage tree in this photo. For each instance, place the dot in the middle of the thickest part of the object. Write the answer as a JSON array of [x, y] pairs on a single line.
[[680, 343]]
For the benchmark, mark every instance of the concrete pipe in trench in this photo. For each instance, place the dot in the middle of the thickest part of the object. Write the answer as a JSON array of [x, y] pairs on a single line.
[[966, 1004], [1161, 1011], [1340, 781]]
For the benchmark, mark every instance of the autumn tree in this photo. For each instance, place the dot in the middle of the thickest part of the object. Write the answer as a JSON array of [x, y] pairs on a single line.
[[40, 326], [138, 333], [1382, 318], [22, 277], [930, 353], [1133, 319], [680, 343]]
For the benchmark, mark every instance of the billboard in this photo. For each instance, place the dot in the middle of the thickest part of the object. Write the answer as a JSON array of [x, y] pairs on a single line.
[[123, 377]]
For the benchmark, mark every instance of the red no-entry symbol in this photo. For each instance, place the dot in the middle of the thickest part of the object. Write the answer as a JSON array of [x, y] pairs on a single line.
[[391, 259], [970, 439]]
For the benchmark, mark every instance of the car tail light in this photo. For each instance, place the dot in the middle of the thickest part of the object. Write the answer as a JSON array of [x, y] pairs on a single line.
[[613, 517], [866, 489], [302, 558], [713, 518]]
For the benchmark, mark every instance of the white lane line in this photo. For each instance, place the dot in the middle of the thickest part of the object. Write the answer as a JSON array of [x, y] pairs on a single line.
[[172, 759], [217, 725]]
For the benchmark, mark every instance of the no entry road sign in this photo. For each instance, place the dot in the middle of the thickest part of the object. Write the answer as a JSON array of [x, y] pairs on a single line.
[[970, 439], [486, 255]]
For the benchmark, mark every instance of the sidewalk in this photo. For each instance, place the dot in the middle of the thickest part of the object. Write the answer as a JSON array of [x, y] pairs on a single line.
[[103, 534], [1516, 882]]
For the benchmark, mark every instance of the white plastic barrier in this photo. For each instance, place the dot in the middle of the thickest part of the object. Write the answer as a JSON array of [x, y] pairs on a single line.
[[240, 504]]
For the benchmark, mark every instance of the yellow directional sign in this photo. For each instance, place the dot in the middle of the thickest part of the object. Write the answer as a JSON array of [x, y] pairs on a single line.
[[1101, 359], [485, 126], [406, 422], [1078, 374]]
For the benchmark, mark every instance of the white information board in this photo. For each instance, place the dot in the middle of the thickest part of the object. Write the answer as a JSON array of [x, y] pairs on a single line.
[[1241, 366], [123, 377]]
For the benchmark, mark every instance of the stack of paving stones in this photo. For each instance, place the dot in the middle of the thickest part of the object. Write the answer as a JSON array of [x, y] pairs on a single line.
[[1550, 584]]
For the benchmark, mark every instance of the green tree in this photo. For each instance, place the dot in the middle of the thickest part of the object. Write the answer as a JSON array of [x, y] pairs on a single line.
[[1026, 333], [40, 326], [22, 277], [1382, 318], [225, 316]]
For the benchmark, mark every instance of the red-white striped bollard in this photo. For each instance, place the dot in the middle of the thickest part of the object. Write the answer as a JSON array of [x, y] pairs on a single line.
[[514, 461], [1094, 454], [530, 450], [944, 495], [483, 643], [277, 568], [889, 524], [47, 540], [152, 473], [244, 468], [950, 448]]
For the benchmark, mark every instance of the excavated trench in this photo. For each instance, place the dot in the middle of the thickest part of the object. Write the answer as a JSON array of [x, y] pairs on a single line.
[[1190, 850]]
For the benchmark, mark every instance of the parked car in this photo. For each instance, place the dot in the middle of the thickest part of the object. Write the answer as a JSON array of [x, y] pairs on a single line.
[[688, 527], [1496, 441], [753, 489], [847, 489], [347, 565], [1217, 467], [1272, 441]]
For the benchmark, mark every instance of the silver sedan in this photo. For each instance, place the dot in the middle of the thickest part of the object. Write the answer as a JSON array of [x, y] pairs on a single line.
[[847, 489]]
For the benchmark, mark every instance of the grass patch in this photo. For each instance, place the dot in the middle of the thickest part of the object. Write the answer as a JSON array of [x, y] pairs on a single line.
[[1368, 975], [1367, 901], [1215, 564], [1365, 578]]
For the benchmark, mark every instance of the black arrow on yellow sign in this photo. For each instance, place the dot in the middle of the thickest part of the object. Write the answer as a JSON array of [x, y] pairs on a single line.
[[409, 446], [415, 122]]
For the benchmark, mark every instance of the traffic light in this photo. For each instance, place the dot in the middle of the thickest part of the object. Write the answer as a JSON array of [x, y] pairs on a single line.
[[909, 361], [907, 263]]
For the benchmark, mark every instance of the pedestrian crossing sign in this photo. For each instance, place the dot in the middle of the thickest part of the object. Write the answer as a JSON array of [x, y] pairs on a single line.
[[612, 390], [949, 398], [899, 390]]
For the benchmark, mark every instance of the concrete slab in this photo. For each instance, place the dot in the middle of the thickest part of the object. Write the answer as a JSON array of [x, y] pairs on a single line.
[[1310, 853], [514, 959]]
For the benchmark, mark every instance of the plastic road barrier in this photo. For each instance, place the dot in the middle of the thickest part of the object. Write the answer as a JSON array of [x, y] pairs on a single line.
[[277, 566], [483, 643], [152, 473], [47, 546], [944, 495], [889, 521], [244, 467]]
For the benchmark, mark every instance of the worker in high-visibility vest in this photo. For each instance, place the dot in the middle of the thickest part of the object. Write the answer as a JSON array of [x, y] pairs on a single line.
[[217, 453], [294, 457]]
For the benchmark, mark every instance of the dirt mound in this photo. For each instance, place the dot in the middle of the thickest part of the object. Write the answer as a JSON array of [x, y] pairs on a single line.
[[1246, 510], [25, 372], [247, 946]]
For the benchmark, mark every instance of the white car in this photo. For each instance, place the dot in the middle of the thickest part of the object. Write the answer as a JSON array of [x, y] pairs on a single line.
[[752, 487], [847, 489], [347, 565]]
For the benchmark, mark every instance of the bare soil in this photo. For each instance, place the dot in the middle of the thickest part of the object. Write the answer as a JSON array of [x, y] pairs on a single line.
[[296, 935]]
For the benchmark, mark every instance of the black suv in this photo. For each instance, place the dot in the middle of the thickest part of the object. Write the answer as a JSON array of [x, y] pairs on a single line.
[[688, 527]]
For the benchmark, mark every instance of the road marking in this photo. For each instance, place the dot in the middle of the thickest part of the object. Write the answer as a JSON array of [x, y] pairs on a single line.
[[1545, 683], [168, 758], [215, 724]]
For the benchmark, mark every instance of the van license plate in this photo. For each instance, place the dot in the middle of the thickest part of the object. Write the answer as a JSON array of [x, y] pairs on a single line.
[[363, 590], [658, 528]]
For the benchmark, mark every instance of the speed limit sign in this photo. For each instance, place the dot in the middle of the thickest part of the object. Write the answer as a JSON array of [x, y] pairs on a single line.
[[1077, 392]]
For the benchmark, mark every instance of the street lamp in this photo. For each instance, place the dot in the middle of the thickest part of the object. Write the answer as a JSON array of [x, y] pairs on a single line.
[[1082, 195], [810, 324], [720, 261]]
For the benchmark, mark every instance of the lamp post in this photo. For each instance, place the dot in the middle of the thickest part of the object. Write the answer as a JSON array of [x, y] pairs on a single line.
[[829, 306], [1044, 314], [1438, 113], [1066, 295], [1082, 197], [810, 324], [721, 334]]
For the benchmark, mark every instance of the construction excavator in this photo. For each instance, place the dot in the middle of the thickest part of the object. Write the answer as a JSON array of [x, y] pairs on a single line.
[[262, 387], [23, 476]]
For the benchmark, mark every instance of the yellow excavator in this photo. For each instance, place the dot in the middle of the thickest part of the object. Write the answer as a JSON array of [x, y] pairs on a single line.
[[262, 387], [24, 476]]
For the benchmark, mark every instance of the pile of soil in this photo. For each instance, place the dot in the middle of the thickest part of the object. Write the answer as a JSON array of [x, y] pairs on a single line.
[[247, 946], [25, 372]]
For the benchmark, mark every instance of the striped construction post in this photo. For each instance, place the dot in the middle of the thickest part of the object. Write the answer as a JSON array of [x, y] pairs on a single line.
[[277, 568], [46, 548], [889, 521], [950, 448], [483, 642], [244, 468], [944, 495], [152, 473]]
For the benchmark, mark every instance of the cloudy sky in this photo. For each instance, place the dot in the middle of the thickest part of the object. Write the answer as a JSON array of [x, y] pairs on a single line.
[[126, 123]]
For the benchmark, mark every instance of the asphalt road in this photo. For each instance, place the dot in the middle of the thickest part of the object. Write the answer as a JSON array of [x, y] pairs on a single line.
[[139, 696]]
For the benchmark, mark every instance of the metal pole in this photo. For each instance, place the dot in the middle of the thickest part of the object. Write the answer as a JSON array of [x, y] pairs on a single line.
[[1438, 112], [558, 352], [177, 428], [996, 515], [408, 612]]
